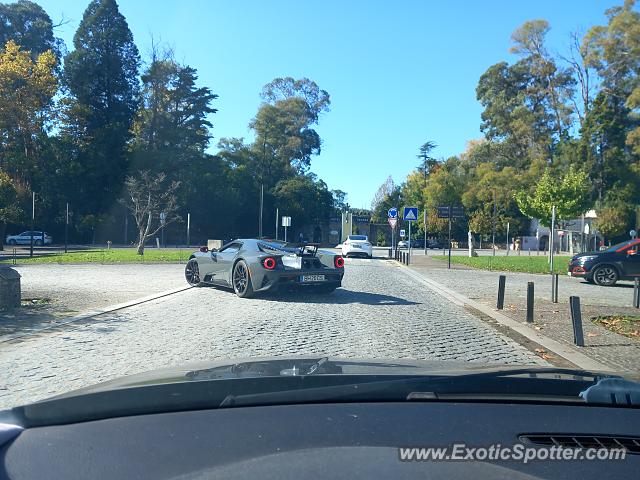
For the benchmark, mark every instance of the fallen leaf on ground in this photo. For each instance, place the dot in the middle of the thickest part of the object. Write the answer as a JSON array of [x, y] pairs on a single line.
[[592, 334]]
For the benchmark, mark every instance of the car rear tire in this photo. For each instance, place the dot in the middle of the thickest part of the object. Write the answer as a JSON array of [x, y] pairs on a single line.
[[241, 280], [192, 273], [605, 276]]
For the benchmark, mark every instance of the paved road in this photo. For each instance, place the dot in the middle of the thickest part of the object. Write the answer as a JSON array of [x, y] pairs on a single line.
[[378, 313]]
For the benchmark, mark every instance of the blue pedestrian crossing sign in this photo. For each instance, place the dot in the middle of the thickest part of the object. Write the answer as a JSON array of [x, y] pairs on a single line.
[[410, 214], [393, 212]]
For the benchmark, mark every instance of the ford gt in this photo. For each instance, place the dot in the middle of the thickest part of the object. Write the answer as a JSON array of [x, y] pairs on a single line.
[[251, 265]]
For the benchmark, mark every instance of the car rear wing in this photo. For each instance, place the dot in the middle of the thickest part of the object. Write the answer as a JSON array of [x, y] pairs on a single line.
[[298, 249]]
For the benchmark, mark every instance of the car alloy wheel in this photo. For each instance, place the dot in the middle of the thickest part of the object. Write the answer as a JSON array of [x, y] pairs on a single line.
[[605, 276], [241, 280], [192, 273]]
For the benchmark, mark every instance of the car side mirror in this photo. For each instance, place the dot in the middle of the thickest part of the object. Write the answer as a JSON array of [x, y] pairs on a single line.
[[204, 249]]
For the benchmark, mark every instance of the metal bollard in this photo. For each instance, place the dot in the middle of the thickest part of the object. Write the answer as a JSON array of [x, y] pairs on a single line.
[[530, 302], [636, 292], [390, 253], [501, 282], [576, 319], [554, 288]]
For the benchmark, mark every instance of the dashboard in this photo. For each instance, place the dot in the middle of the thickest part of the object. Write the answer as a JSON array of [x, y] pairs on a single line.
[[337, 440]]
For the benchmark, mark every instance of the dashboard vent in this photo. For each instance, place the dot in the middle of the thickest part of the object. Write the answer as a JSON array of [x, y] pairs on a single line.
[[632, 444]]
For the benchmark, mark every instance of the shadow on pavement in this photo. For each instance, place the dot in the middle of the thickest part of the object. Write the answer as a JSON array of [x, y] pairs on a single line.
[[339, 297], [617, 285]]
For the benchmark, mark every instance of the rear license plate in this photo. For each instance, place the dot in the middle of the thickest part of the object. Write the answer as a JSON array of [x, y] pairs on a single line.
[[312, 278]]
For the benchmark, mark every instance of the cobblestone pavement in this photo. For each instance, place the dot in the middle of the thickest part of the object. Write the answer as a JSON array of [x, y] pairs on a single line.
[[379, 313], [60, 291], [550, 319]]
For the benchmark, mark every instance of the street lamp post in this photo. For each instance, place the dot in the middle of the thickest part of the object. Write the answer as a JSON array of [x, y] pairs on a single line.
[[33, 218], [66, 230]]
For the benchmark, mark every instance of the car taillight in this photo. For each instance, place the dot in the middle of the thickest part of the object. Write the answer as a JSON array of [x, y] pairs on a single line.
[[269, 263], [204, 249], [338, 262]]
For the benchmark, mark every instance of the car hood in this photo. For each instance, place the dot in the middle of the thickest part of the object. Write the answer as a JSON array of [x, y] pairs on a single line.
[[291, 366], [586, 254]]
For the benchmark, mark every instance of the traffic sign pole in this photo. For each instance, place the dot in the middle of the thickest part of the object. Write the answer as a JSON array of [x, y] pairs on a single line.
[[449, 237]]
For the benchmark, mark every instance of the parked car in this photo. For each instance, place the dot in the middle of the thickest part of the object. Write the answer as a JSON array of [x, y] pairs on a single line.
[[24, 238], [357, 246], [620, 262], [403, 244]]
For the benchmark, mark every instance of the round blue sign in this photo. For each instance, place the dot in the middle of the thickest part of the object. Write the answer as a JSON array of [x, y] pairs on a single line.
[[393, 212]]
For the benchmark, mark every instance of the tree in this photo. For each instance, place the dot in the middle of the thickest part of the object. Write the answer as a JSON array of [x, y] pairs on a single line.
[[613, 221], [383, 192], [550, 84], [340, 203], [567, 194], [316, 100], [427, 163], [27, 88], [172, 126], [614, 50], [305, 198], [27, 24], [102, 78], [148, 196], [9, 208]]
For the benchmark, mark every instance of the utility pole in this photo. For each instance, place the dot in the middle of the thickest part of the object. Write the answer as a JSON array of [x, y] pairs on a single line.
[[493, 241], [424, 213], [507, 238], [261, 204], [188, 229], [33, 218], [66, 230]]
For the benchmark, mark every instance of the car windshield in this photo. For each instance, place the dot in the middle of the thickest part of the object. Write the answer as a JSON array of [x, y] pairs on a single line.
[[277, 189]]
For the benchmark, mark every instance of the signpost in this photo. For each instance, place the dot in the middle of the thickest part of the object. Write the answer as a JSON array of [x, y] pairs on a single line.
[[286, 222], [163, 221], [449, 212], [393, 220], [410, 215], [402, 233]]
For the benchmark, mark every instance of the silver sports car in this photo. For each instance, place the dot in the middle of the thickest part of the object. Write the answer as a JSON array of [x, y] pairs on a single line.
[[251, 265]]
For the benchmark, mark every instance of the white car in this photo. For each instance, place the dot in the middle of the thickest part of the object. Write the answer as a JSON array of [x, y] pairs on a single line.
[[357, 245], [25, 238], [403, 244]]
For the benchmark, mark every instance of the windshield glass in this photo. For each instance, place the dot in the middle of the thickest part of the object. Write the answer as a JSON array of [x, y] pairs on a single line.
[[224, 184]]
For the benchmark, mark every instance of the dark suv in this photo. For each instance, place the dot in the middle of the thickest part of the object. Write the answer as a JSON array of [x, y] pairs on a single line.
[[620, 262]]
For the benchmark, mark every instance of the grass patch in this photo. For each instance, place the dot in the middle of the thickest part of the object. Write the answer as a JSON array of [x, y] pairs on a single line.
[[113, 256], [627, 325], [512, 263]]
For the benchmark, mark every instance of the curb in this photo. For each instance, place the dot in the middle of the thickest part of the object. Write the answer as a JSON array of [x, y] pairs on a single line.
[[94, 313], [565, 351]]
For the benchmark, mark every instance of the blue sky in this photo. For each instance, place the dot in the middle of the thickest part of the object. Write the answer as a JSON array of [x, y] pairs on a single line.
[[398, 72]]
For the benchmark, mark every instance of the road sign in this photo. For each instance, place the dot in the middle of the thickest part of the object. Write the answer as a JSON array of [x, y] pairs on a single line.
[[457, 212], [633, 233], [393, 212], [392, 222], [410, 214], [402, 233], [163, 218], [286, 221], [443, 211]]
